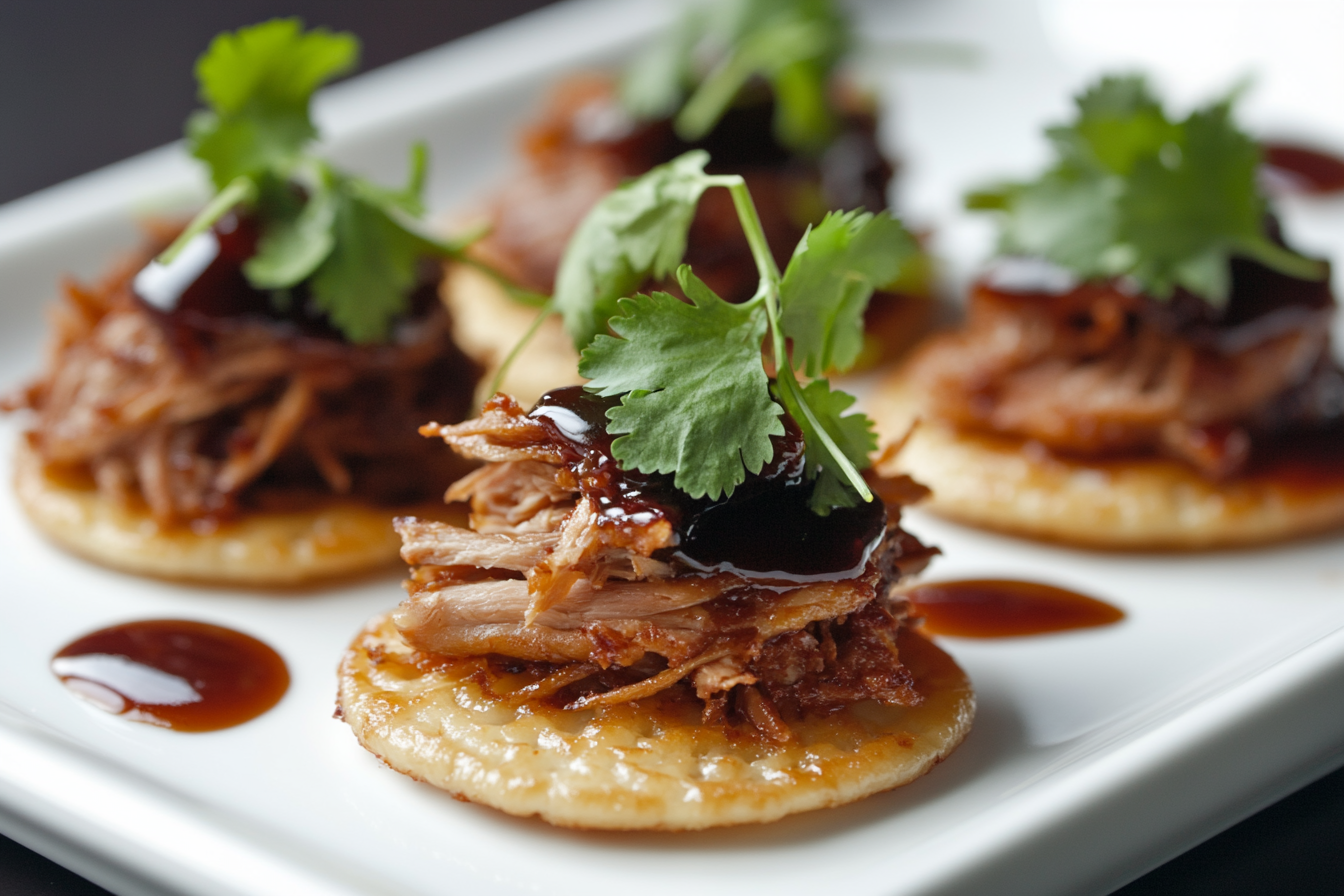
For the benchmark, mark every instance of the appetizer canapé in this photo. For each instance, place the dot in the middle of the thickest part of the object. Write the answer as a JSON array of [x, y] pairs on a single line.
[[770, 106], [676, 606], [1148, 365], [244, 408]]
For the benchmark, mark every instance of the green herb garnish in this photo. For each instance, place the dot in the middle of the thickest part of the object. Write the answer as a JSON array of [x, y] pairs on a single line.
[[793, 45], [696, 400], [635, 232], [356, 244], [1135, 194], [693, 383]]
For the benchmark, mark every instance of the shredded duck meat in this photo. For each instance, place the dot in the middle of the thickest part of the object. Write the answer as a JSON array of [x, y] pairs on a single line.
[[198, 419], [1093, 370], [541, 580]]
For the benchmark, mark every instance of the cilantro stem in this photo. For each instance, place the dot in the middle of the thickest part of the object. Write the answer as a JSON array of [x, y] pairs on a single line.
[[794, 391], [751, 226], [241, 189], [707, 105], [543, 313], [1285, 261], [769, 293]]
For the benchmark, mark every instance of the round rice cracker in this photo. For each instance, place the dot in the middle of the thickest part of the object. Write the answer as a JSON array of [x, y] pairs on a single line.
[[337, 539], [1012, 486], [646, 765]]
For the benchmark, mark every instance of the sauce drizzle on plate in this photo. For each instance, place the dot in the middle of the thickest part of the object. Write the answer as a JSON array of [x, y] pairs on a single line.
[[174, 673], [1005, 608]]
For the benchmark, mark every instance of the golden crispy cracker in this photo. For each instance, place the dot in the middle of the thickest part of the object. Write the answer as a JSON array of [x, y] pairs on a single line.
[[340, 538]]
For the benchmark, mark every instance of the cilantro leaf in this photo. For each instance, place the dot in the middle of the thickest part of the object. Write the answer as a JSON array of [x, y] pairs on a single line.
[[295, 239], [1135, 194], [637, 231], [408, 200], [656, 82], [357, 244], [364, 282], [830, 278], [853, 433], [804, 119], [353, 238], [1185, 210], [697, 401], [1067, 217], [258, 82], [1119, 122], [792, 44]]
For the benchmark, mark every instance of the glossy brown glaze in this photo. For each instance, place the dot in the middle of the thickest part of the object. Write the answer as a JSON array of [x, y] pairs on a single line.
[[1006, 608], [1299, 169], [199, 304], [765, 531], [174, 673], [1303, 462]]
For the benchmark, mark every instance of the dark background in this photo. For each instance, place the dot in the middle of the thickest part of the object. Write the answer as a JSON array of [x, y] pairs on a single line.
[[83, 84]]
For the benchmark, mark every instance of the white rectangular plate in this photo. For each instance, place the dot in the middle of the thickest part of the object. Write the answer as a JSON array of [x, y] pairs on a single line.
[[1096, 754]]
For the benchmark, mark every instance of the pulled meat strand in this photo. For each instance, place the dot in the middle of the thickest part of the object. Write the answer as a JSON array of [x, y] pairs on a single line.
[[764, 715], [514, 497], [493, 601], [830, 665], [551, 684], [503, 432], [430, 543], [653, 684]]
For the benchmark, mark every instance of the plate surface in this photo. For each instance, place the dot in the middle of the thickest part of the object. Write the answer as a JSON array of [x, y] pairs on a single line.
[[1096, 755]]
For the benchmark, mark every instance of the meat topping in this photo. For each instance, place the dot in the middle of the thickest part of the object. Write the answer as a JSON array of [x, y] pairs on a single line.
[[224, 404], [1092, 370], [575, 564]]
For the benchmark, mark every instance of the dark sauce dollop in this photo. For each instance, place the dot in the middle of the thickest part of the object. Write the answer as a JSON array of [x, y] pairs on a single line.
[[174, 673], [1006, 608], [764, 531], [204, 291]]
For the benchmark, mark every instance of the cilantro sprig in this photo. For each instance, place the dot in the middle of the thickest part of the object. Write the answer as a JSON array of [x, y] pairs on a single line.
[[696, 401], [1136, 194], [635, 232], [356, 244], [793, 45]]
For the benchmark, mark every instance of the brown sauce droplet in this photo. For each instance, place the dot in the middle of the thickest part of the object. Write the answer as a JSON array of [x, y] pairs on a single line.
[[174, 673], [1006, 608], [1297, 169]]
